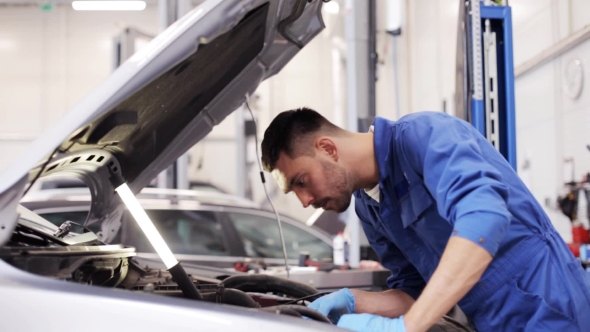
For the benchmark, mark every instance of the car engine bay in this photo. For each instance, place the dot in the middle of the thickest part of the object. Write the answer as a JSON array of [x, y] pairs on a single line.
[[94, 263]]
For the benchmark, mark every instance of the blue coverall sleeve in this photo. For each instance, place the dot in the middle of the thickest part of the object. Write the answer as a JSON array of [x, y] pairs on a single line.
[[468, 190], [404, 275]]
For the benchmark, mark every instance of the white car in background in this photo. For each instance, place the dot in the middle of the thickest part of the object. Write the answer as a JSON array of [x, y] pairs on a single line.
[[205, 228], [148, 113]]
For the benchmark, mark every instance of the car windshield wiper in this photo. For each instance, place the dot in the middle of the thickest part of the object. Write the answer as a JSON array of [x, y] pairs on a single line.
[[26, 226], [63, 230], [86, 237], [66, 227], [60, 236]]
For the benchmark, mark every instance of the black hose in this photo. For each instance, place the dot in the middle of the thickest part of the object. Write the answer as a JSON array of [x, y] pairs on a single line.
[[260, 283], [310, 298], [302, 310], [231, 296]]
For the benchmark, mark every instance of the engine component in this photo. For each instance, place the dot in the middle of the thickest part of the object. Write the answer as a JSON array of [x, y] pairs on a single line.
[[185, 283], [260, 283], [231, 296]]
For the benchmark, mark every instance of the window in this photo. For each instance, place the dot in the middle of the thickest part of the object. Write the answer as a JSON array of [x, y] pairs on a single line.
[[185, 232], [261, 238]]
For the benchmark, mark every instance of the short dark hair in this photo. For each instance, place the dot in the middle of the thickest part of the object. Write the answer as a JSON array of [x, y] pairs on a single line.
[[287, 128]]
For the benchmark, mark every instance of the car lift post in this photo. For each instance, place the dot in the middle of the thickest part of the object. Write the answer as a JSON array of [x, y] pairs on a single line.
[[492, 75]]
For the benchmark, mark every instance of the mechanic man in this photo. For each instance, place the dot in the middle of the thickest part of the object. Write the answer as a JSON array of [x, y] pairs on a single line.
[[445, 213]]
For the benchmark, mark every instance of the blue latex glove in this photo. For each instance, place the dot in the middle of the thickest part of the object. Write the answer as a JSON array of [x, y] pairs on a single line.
[[371, 323], [335, 305]]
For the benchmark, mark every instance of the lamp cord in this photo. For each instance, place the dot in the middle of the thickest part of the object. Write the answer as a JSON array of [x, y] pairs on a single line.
[[266, 191]]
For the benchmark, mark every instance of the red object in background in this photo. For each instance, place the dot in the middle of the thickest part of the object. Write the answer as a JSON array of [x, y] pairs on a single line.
[[580, 235], [242, 267], [575, 249], [247, 266]]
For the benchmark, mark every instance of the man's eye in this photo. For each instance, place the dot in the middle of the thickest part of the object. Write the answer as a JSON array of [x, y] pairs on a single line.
[[300, 183]]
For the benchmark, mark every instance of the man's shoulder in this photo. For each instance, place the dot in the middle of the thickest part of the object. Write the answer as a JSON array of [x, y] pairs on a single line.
[[426, 121], [426, 116], [422, 118]]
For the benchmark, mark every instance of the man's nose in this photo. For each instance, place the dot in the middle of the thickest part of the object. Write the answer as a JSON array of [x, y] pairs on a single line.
[[305, 198]]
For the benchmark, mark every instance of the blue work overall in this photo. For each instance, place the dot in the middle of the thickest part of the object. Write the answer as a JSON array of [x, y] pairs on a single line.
[[438, 178]]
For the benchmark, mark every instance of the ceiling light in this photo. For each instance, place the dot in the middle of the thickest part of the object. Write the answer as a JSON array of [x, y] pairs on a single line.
[[332, 7], [108, 5], [146, 225]]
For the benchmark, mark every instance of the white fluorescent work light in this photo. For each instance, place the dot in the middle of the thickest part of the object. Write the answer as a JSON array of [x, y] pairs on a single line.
[[147, 226], [108, 5]]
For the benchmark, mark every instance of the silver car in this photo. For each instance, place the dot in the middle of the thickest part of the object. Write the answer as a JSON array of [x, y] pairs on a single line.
[[205, 228]]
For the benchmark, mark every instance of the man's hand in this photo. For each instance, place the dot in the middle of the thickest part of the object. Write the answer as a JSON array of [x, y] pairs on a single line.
[[390, 303], [335, 305], [370, 323]]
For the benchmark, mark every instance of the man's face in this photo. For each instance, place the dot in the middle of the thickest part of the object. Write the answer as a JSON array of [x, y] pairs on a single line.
[[316, 180]]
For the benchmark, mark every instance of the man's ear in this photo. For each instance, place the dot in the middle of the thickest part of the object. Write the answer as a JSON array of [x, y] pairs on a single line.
[[327, 146]]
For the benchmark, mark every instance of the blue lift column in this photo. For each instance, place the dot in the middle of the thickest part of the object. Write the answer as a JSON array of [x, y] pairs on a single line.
[[492, 75]]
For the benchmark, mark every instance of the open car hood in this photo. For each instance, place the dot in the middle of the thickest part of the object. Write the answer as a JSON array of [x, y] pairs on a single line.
[[163, 100]]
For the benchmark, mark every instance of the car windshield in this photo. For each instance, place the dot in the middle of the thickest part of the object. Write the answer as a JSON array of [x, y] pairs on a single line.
[[261, 238], [200, 233], [185, 232]]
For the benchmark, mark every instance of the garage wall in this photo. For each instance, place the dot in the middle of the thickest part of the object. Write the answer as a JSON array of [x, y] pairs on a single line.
[[551, 125], [538, 99], [49, 60]]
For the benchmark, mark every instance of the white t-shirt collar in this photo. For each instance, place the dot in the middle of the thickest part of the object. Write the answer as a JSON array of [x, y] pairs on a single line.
[[373, 193]]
